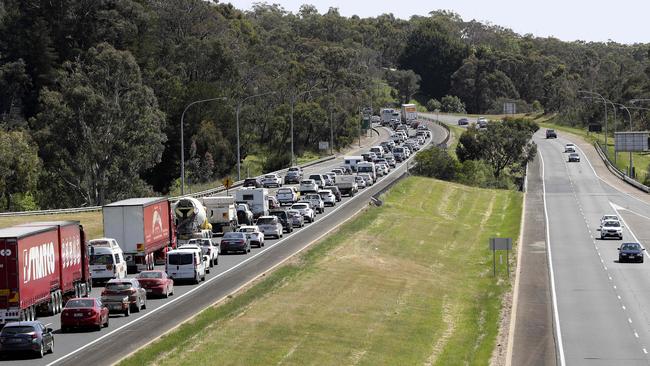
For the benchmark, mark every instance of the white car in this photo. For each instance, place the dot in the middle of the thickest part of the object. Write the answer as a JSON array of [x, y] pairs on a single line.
[[207, 248], [569, 148], [305, 210], [254, 234], [328, 197], [270, 226], [207, 258], [611, 228], [271, 180], [608, 217], [383, 168], [482, 122], [315, 201], [367, 178], [308, 185], [287, 195], [361, 183]]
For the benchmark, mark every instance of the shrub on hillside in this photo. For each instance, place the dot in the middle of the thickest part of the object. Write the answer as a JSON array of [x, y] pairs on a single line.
[[436, 163]]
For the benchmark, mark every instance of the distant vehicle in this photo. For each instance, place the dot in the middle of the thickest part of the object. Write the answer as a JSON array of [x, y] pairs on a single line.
[[307, 186], [296, 218], [574, 157], [608, 217], [319, 179], [482, 122], [378, 150], [252, 182], [386, 115], [315, 201], [398, 154], [611, 228], [550, 134], [284, 219], [84, 312], [187, 264], [569, 148], [361, 183], [208, 249], [124, 296], [106, 260], [368, 168], [273, 203], [347, 184], [244, 214], [409, 113], [352, 161], [330, 178], [629, 252], [328, 197], [30, 336], [222, 213], [287, 195], [338, 171], [335, 191], [270, 226], [191, 220], [254, 235], [390, 158], [271, 180], [256, 198], [463, 122], [368, 178], [235, 242], [305, 210], [346, 169], [293, 176], [375, 119], [156, 283]]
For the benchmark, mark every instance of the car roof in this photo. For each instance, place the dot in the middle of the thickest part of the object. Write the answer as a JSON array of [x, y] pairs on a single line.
[[117, 280], [23, 323]]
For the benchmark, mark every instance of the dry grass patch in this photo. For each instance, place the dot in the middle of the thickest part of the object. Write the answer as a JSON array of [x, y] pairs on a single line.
[[91, 221]]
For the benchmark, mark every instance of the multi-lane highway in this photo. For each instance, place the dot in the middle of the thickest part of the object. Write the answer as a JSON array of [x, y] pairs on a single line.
[[126, 335], [602, 312]]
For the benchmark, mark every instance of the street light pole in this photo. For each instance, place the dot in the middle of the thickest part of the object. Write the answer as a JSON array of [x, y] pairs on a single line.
[[183, 140], [239, 105], [605, 103]]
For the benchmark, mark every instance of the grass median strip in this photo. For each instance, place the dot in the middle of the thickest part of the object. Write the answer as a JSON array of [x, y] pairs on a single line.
[[407, 283]]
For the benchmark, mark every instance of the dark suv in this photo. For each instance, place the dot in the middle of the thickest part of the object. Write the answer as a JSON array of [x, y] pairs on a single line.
[[252, 182], [285, 220], [550, 134]]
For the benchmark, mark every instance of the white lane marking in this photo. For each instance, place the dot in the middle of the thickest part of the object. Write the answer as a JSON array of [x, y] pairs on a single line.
[[632, 211], [619, 296], [636, 334], [623, 306], [550, 268], [614, 285], [211, 279], [629, 320], [645, 351], [629, 229]]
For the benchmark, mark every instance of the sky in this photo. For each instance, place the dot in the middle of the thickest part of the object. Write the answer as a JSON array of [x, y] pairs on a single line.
[[622, 21]]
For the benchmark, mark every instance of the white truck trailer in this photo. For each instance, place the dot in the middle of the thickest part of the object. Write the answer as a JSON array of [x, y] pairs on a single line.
[[222, 213], [256, 198]]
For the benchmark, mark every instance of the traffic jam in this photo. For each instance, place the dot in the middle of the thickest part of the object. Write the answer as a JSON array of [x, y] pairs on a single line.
[[57, 282]]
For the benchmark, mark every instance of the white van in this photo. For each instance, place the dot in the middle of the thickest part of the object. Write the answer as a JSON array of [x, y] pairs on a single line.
[[352, 161], [378, 150], [185, 264], [368, 168], [106, 260]]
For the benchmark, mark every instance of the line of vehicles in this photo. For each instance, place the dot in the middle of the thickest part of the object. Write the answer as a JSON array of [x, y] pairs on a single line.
[[49, 268]]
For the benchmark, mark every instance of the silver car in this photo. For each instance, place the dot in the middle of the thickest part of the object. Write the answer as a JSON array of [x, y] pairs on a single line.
[[296, 218], [305, 210], [270, 226]]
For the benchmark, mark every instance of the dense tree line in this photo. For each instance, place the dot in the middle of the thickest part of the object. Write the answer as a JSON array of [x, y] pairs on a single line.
[[92, 91]]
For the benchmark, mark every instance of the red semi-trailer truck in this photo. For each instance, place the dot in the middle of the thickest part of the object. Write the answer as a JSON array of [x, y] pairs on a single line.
[[143, 228], [42, 264]]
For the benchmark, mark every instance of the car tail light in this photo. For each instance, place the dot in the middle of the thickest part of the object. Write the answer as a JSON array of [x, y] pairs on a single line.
[[133, 291], [103, 292], [33, 335]]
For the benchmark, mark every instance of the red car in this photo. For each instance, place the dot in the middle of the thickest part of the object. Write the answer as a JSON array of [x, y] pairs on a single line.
[[156, 283], [85, 312]]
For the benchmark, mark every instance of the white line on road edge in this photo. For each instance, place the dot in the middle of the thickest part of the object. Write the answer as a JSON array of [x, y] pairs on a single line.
[[207, 281], [558, 332]]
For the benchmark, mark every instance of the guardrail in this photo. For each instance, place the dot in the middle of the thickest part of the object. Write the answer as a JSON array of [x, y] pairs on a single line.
[[444, 142], [619, 173], [204, 193]]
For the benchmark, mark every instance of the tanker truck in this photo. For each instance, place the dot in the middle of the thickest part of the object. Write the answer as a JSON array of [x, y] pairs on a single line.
[[191, 220]]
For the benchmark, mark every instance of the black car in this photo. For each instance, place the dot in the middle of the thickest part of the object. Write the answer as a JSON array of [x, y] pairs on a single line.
[[463, 122], [335, 191], [30, 336], [630, 252], [573, 157], [293, 176], [285, 220], [235, 242], [550, 134], [253, 182]]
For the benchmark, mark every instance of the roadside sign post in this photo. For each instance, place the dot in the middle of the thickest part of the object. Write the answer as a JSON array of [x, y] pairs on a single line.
[[500, 244], [227, 182]]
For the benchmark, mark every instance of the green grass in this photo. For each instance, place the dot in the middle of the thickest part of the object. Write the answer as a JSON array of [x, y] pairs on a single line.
[[407, 283], [91, 221], [456, 132], [640, 160]]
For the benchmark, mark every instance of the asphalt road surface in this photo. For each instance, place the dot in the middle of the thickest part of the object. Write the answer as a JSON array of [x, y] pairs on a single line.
[[602, 307], [125, 335]]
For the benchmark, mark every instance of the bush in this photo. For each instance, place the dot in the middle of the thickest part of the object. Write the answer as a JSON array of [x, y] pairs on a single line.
[[436, 163], [475, 173], [452, 104], [433, 104]]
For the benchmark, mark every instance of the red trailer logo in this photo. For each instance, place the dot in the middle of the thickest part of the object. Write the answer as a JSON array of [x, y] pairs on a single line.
[[38, 262]]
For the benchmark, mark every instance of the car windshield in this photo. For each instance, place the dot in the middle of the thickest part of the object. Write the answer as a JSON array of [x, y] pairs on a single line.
[[232, 235], [265, 221], [612, 223], [101, 259], [118, 286], [269, 176], [300, 206], [306, 182], [294, 169], [247, 230], [312, 196], [285, 190], [18, 330], [150, 274], [80, 303], [630, 246], [179, 259], [610, 217], [323, 194]]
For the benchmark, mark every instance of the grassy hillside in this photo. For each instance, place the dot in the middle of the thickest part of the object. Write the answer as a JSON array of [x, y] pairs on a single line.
[[407, 283]]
